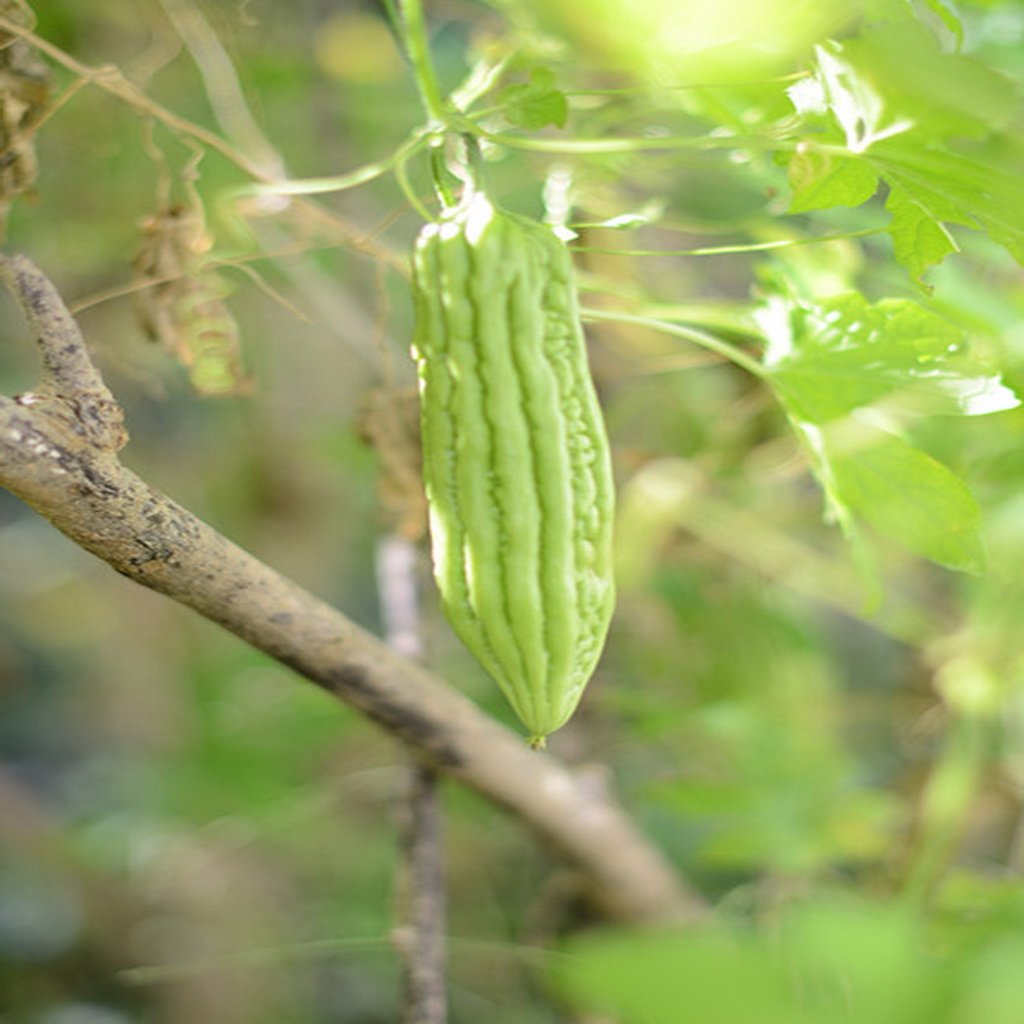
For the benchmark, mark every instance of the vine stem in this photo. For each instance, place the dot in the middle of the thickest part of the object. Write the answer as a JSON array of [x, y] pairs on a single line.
[[638, 144], [730, 250], [415, 31], [702, 338]]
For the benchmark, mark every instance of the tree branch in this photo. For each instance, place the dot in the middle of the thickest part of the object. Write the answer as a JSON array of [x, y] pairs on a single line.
[[58, 448]]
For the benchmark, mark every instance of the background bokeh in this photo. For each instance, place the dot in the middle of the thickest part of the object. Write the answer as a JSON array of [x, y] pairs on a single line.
[[188, 832]]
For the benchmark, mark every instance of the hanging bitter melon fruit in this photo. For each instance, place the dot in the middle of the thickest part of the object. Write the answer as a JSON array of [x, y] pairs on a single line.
[[516, 459]]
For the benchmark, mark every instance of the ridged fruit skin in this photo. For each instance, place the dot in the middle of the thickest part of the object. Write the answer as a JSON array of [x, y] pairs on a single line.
[[516, 458]]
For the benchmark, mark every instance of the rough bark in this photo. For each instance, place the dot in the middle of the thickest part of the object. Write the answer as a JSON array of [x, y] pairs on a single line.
[[58, 453]]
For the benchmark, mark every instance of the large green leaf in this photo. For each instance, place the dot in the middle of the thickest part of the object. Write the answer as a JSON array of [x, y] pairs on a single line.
[[843, 353], [937, 127], [909, 497], [981, 190], [942, 95], [894, 80]]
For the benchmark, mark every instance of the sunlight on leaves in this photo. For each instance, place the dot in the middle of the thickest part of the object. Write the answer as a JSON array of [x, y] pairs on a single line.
[[827, 360], [857, 106], [832, 357], [945, 95], [937, 129], [692, 41]]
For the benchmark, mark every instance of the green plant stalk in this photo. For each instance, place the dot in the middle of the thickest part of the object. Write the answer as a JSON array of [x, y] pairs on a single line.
[[641, 144], [437, 169], [731, 250], [339, 182], [414, 30], [702, 338]]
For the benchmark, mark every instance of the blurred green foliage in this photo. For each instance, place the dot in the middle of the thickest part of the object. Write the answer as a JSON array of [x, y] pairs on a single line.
[[823, 728], [832, 959]]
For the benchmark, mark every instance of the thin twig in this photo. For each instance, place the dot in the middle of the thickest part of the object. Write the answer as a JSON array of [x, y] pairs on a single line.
[[420, 939], [420, 935], [112, 80]]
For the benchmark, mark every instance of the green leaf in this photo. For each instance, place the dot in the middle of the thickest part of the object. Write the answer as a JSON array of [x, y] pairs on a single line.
[[920, 238], [854, 101], [938, 127], [909, 497], [829, 358], [942, 95], [709, 975], [936, 186], [823, 180], [536, 103]]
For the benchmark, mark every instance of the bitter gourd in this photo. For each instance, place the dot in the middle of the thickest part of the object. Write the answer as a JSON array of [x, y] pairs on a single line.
[[517, 467]]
